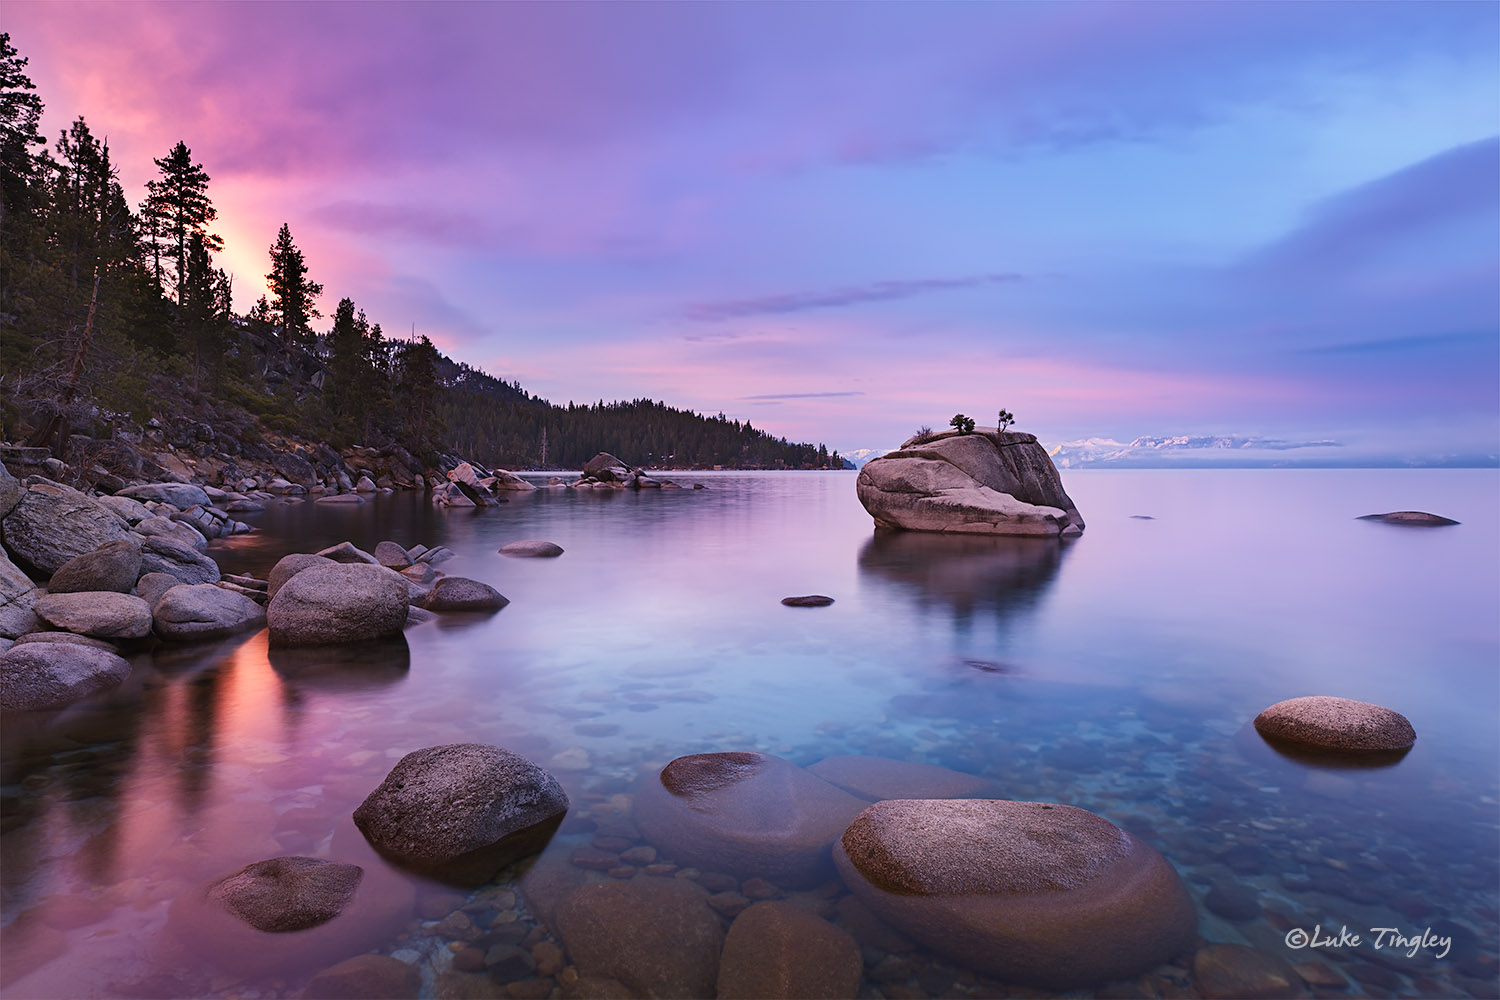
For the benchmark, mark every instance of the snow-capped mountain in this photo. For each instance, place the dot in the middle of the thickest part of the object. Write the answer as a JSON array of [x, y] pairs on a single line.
[[1146, 451], [862, 455]]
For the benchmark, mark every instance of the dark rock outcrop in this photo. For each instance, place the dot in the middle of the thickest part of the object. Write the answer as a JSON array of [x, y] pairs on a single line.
[[748, 814], [40, 675], [807, 601], [112, 566], [984, 483], [1032, 892], [462, 811], [1414, 518]]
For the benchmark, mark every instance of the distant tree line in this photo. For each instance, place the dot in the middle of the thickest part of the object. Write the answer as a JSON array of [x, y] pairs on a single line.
[[112, 309]]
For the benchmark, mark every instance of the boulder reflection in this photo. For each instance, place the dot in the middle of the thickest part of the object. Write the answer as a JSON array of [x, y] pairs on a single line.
[[355, 666], [973, 576]]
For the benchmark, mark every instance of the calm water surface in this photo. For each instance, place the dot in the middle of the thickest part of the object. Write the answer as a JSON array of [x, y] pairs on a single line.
[[1117, 673]]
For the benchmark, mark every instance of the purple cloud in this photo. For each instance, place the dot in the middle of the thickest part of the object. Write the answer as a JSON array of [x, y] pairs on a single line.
[[879, 291]]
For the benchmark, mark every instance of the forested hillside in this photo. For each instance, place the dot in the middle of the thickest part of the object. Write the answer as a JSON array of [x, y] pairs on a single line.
[[112, 315]]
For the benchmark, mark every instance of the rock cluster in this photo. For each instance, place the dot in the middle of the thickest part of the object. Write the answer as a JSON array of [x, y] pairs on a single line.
[[989, 482], [606, 472]]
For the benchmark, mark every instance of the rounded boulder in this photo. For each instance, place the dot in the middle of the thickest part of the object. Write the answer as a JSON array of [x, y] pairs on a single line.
[[747, 814], [532, 548], [457, 593], [656, 936], [112, 566], [781, 950], [102, 614], [1319, 722], [205, 611], [1032, 892], [40, 675], [462, 811], [338, 602]]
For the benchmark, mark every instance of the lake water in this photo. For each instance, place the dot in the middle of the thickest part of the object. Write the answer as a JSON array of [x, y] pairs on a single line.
[[1117, 673]]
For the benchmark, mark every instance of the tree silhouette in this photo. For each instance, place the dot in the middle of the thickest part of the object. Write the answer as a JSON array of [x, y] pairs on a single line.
[[292, 294]]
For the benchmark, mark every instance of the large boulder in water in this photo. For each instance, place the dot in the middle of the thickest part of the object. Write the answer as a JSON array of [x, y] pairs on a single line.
[[462, 811], [991, 483], [338, 602], [747, 814], [38, 675], [112, 566], [289, 566], [606, 468], [102, 614], [51, 524], [204, 611], [657, 936], [457, 593], [1342, 725], [1031, 892]]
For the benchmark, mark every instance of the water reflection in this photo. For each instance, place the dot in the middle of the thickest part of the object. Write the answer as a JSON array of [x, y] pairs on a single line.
[[357, 666], [973, 576]]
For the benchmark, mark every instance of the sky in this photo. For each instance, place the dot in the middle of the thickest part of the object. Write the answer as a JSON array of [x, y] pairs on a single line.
[[845, 221]]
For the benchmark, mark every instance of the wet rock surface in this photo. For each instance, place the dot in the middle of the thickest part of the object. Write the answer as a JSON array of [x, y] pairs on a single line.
[[456, 593], [807, 601], [780, 950], [532, 548], [287, 894]]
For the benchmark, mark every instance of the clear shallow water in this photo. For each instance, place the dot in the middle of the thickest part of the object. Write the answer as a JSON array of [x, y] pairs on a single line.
[[1117, 673]]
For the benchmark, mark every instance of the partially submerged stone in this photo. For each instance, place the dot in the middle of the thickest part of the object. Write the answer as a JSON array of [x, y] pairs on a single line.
[[657, 936], [1414, 518], [287, 894], [1031, 892], [778, 949], [1338, 724], [807, 601], [876, 778], [532, 548], [748, 814], [462, 811], [43, 675], [336, 603], [457, 593], [205, 611]]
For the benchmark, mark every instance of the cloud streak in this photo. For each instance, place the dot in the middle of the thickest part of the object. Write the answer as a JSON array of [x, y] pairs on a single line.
[[803, 395], [840, 298]]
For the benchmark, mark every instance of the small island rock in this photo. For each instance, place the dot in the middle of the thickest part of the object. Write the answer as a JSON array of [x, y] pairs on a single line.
[[338, 602], [1415, 518], [1340, 724], [533, 548], [457, 593], [807, 601]]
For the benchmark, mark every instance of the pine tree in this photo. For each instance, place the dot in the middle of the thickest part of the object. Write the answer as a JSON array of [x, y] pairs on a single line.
[[292, 294], [416, 378], [20, 129], [177, 206], [205, 311]]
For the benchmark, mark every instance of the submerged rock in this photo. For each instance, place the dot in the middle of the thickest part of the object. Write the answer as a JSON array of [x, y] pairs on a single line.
[[1033, 892], [1415, 518], [112, 566], [363, 977], [204, 611], [533, 548], [462, 810], [40, 675], [287, 894], [337, 602], [782, 950], [1235, 972], [101, 614], [657, 936], [1339, 724], [875, 778], [982, 483], [748, 814]]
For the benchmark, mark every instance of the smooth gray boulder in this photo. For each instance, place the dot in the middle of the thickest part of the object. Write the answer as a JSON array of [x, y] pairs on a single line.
[[987, 482], [42, 675], [345, 552], [179, 495], [509, 482], [177, 531], [51, 524], [160, 554], [101, 614], [289, 566], [1344, 725], [392, 556], [463, 809], [112, 566], [532, 548], [457, 593], [151, 586], [133, 511], [339, 602], [103, 644], [204, 611]]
